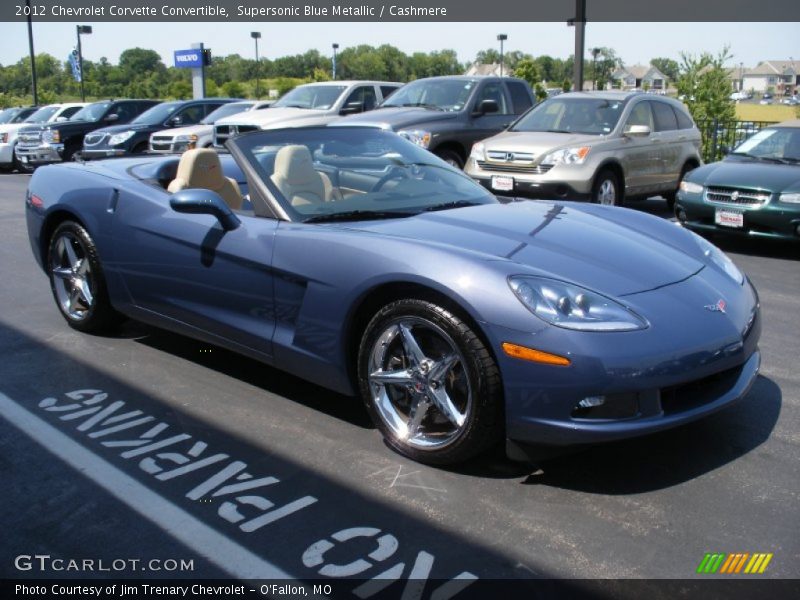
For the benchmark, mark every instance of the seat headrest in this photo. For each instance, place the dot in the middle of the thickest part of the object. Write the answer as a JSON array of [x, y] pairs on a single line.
[[294, 165], [200, 168]]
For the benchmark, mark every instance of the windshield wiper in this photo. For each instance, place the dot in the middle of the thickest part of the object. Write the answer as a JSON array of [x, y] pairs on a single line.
[[449, 205], [773, 159], [358, 215], [420, 104]]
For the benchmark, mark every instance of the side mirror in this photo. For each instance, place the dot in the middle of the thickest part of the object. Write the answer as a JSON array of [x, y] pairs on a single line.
[[61, 119], [175, 121], [204, 202], [635, 131], [112, 117], [351, 108], [486, 107]]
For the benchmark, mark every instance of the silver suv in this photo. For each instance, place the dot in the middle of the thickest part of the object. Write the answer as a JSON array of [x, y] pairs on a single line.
[[598, 146]]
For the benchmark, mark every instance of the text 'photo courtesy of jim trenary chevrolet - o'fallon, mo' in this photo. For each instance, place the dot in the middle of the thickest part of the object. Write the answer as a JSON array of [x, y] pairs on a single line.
[[414, 300]]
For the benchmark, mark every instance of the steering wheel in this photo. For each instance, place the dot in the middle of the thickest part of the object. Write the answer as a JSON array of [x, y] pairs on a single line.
[[395, 172]]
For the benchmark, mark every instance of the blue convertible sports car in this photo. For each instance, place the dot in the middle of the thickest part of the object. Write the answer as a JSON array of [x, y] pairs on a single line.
[[354, 259]]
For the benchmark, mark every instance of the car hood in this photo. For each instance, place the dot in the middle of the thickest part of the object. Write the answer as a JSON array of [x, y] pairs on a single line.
[[605, 249], [748, 174], [272, 116], [198, 130], [537, 142], [112, 129], [397, 118]]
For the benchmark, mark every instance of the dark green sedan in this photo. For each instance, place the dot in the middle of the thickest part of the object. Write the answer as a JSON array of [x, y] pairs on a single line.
[[754, 191]]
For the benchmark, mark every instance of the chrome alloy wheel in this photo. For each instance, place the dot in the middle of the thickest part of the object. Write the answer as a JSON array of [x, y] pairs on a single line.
[[607, 193], [72, 276], [418, 383]]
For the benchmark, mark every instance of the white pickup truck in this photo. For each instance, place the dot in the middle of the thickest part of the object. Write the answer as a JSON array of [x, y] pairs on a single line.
[[309, 104]]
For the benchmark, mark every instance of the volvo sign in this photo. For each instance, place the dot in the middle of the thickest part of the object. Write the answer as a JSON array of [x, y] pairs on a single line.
[[192, 58]]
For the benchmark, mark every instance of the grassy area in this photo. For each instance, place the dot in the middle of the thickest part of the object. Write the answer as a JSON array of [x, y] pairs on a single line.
[[767, 112]]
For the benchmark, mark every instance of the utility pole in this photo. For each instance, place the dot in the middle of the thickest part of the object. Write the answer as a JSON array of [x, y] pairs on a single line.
[[579, 22], [501, 37], [33, 56], [256, 35], [79, 29]]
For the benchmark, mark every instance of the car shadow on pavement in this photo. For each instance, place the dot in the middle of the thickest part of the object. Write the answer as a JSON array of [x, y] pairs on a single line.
[[670, 457], [758, 247]]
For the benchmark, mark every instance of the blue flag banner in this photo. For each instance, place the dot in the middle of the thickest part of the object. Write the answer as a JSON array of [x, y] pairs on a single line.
[[75, 65]]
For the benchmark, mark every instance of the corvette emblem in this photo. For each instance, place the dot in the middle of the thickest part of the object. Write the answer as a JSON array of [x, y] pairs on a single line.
[[718, 307]]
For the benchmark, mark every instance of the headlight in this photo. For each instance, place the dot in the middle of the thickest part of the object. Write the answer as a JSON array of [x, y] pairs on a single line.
[[573, 307], [120, 138], [719, 258], [793, 198], [691, 188], [186, 138], [418, 136], [567, 156], [478, 151], [51, 136]]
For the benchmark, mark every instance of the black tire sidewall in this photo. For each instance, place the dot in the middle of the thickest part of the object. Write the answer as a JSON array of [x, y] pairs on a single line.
[[483, 420], [450, 155], [101, 315]]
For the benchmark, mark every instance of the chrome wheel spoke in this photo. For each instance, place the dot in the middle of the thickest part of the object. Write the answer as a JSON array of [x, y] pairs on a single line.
[[445, 405], [399, 377], [418, 411], [63, 273], [72, 302], [70, 252], [441, 367], [413, 351], [85, 292]]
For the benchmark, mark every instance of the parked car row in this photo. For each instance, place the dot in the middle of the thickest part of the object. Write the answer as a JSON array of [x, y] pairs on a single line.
[[14, 119]]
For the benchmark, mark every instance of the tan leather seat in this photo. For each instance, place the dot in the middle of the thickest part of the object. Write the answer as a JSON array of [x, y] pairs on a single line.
[[297, 180], [200, 168]]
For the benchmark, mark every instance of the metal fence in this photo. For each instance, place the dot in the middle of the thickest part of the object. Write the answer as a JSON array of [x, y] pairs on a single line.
[[718, 135]]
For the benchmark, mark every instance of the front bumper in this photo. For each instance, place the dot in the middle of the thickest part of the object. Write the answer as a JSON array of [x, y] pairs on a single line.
[[39, 155], [552, 184], [105, 153], [6, 154], [687, 364], [774, 219]]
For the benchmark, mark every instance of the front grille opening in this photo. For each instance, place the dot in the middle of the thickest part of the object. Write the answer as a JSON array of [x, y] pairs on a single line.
[[615, 407], [680, 398]]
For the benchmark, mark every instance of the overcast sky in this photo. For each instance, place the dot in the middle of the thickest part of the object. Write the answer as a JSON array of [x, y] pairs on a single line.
[[634, 42]]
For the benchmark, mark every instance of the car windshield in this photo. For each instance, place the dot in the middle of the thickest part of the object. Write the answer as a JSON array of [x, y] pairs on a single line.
[[317, 97], [158, 114], [92, 112], [17, 115], [442, 94], [42, 115], [352, 173], [594, 116], [774, 144], [226, 110], [6, 114]]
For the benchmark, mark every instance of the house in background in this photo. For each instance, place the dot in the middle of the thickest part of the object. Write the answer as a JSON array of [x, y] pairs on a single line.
[[778, 76], [639, 77], [491, 70]]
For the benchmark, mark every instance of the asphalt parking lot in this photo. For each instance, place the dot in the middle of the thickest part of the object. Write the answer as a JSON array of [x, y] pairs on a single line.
[[260, 474]]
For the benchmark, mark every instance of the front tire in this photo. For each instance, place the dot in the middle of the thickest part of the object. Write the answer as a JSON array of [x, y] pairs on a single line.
[[77, 281], [607, 189], [429, 383], [451, 157]]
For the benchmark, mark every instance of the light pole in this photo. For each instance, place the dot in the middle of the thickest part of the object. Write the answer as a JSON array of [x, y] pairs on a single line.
[[81, 29], [594, 52], [33, 56], [501, 37], [256, 35], [741, 76], [335, 47]]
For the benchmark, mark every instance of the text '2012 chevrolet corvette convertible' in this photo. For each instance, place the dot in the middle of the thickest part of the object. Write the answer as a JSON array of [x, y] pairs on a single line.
[[356, 260]]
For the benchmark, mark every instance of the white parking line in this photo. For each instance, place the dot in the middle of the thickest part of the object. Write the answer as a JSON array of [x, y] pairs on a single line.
[[229, 556]]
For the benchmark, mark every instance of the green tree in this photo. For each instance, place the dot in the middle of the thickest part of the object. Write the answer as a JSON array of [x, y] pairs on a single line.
[[233, 89], [528, 70], [604, 61], [704, 86], [540, 92]]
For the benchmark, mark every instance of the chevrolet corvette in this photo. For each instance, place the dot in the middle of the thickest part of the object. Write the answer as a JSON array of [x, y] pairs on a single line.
[[354, 259]]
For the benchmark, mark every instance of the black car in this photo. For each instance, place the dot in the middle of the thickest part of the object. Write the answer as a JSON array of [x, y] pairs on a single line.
[[119, 140], [447, 115], [54, 142]]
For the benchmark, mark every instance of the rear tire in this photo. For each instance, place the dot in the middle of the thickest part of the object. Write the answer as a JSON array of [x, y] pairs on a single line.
[[670, 197], [77, 280]]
